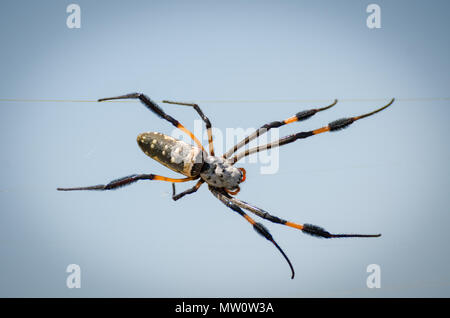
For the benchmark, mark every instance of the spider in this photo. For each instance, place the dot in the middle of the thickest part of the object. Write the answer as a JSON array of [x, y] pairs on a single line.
[[219, 172]]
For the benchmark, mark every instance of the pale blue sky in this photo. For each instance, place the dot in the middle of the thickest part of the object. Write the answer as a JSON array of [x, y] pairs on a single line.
[[386, 174]]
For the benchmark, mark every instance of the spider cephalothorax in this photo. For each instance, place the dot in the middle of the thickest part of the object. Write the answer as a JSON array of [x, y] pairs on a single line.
[[219, 172], [223, 179]]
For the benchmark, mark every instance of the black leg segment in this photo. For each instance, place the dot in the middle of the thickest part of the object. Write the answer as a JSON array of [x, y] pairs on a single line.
[[194, 189], [258, 227]]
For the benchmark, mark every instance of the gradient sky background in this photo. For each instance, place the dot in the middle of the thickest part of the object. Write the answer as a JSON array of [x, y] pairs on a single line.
[[387, 174]]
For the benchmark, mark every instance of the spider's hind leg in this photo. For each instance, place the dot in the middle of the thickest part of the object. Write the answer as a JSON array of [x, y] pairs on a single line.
[[309, 229], [121, 182], [152, 106], [220, 194]]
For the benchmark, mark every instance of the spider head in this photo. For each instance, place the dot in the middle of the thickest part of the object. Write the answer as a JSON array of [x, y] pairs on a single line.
[[243, 175], [236, 190]]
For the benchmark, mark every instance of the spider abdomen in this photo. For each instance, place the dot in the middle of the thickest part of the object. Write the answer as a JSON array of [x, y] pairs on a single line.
[[175, 154]]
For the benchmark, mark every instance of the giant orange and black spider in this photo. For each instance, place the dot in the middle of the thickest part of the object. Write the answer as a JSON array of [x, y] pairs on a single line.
[[222, 177]]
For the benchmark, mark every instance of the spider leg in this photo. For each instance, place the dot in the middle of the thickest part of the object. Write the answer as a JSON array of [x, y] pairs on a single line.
[[175, 197], [310, 229], [205, 120], [151, 105], [300, 116], [121, 182], [261, 229], [333, 126]]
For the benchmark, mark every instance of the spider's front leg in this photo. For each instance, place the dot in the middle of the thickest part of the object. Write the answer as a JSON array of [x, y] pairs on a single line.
[[333, 126], [300, 116]]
